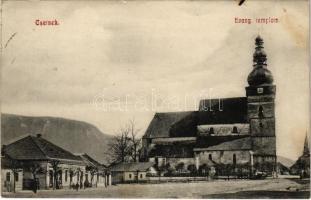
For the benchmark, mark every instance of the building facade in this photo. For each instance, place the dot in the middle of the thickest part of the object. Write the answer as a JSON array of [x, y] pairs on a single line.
[[237, 131], [135, 172], [96, 174], [11, 177], [44, 165]]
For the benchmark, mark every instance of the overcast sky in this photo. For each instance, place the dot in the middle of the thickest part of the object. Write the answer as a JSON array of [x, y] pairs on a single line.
[[151, 56]]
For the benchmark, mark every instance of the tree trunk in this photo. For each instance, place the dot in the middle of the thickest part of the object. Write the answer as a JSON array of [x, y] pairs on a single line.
[[34, 182], [92, 177], [13, 182], [135, 153], [54, 181]]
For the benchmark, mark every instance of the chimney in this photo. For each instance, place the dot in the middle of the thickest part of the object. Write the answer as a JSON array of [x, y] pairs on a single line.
[[38, 135]]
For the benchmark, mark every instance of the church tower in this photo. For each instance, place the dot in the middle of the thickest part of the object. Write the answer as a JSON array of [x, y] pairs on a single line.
[[261, 110], [306, 150]]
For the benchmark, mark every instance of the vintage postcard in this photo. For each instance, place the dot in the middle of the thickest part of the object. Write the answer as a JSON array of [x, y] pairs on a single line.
[[155, 99]]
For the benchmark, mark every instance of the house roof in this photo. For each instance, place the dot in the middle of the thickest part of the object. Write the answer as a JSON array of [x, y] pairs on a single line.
[[235, 144], [131, 167], [7, 163], [89, 161], [37, 148]]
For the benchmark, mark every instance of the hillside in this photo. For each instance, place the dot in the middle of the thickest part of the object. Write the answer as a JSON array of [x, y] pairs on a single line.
[[72, 135]]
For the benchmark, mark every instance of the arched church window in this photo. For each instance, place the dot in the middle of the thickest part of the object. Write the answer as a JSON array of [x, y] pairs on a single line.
[[260, 125], [211, 130], [235, 129], [210, 157], [260, 112], [234, 159]]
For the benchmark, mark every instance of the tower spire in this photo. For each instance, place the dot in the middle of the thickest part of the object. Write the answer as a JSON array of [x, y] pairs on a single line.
[[259, 57], [306, 149], [260, 75]]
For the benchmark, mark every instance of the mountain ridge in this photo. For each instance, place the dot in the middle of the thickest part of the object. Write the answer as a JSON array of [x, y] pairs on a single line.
[[73, 135]]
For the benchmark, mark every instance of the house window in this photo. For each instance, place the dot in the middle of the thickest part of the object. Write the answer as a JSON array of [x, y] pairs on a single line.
[[8, 176], [210, 156], [81, 178], [260, 125], [86, 176], [235, 129], [70, 176], [234, 159], [141, 176], [60, 178], [130, 176], [211, 130], [16, 176], [66, 175], [51, 178]]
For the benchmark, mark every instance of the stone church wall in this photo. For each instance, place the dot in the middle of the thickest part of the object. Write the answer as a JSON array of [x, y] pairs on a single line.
[[263, 127], [175, 161], [223, 129], [225, 157], [264, 146], [268, 109]]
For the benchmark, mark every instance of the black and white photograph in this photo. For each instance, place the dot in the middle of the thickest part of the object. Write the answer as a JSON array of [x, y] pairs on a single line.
[[155, 99]]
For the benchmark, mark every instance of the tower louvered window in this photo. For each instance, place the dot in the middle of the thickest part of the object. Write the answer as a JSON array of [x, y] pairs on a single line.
[[235, 129]]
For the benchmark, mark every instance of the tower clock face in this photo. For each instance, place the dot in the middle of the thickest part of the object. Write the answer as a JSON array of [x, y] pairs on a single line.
[[259, 90]]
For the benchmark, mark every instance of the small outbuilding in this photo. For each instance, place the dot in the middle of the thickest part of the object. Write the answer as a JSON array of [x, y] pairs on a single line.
[[132, 172]]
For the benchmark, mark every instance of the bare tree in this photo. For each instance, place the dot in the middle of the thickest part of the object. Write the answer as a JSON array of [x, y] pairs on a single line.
[[134, 140], [35, 168], [126, 144], [93, 171], [119, 148], [55, 167]]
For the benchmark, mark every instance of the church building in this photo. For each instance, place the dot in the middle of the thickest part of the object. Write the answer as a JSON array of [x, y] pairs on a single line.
[[231, 131]]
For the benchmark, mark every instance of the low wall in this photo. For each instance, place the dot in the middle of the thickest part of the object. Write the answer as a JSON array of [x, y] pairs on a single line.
[[177, 179]]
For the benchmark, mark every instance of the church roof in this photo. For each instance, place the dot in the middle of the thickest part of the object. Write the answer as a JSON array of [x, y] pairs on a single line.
[[37, 148], [223, 111], [162, 123], [184, 124]]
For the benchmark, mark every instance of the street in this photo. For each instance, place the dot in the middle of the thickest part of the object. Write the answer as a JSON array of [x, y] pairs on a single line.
[[268, 188]]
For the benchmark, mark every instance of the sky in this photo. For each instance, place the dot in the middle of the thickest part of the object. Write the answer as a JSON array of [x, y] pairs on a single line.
[[108, 62]]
